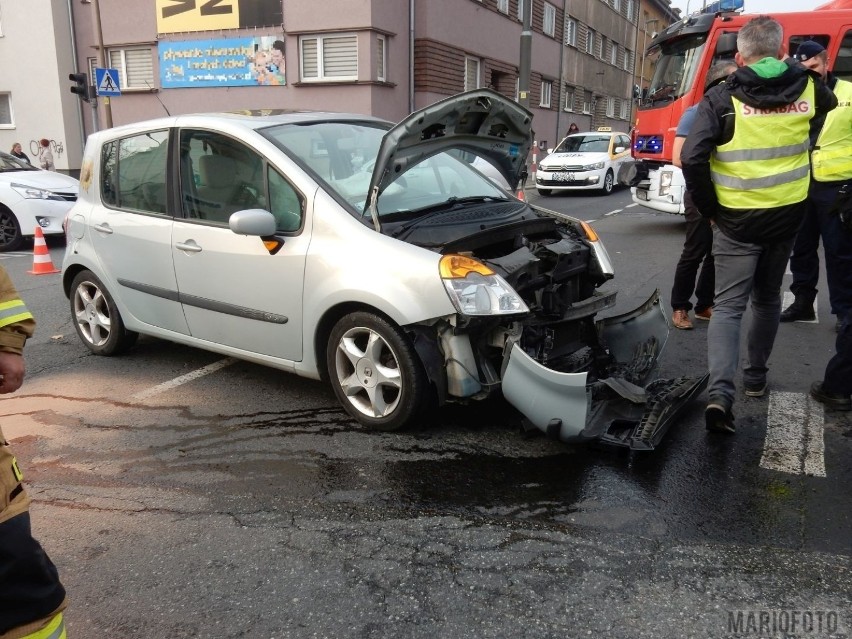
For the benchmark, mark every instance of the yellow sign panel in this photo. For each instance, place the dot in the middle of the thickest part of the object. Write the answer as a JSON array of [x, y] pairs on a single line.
[[197, 15]]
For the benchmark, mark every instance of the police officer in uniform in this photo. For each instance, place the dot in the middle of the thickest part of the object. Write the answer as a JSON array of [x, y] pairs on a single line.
[[31, 596], [831, 170], [746, 162]]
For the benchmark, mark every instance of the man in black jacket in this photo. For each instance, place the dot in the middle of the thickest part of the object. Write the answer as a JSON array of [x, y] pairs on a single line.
[[746, 163]]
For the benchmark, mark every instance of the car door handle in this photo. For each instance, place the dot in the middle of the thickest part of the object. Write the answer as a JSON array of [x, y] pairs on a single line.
[[104, 228], [189, 245]]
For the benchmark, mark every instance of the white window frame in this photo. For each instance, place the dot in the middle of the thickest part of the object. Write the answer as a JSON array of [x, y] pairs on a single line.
[[145, 84], [587, 106], [590, 41], [549, 20], [503, 6], [11, 123], [381, 58], [625, 109], [468, 86], [320, 39], [570, 31], [521, 10], [613, 53], [616, 4], [546, 94], [630, 10], [626, 66], [568, 98], [601, 46], [610, 107]]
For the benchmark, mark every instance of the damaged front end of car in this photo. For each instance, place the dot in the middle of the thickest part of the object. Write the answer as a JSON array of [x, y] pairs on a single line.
[[571, 375]]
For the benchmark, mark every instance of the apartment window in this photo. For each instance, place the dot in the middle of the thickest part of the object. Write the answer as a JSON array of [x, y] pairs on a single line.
[[503, 6], [568, 100], [471, 74], [135, 67], [625, 109], [616, 4], [590, 42], [380, 58], [587, 102], [549, 26], [546, 90], [329, 58], [628, 55], [521, 10], [5, 110], [613, 53], [601, 47], [571, 32], [610, 107], [630, 10]]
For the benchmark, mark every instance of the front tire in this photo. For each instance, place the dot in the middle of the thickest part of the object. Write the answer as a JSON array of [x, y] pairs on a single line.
[[608, 183], [376, 373], [96, 317], [11, 238]]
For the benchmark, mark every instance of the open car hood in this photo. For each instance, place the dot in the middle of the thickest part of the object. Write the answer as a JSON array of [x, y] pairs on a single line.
[[482, 122]]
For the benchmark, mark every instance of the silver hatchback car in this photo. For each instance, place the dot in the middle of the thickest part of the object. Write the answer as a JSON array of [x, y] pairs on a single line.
[[377, 257]]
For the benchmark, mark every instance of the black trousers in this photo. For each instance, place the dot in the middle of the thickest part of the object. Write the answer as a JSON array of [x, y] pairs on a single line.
[[820, 222], [29, 582], [697, 252], [838, 372]]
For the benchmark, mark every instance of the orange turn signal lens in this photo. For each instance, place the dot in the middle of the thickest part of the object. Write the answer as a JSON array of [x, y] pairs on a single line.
[[458, 267], [590, 232]]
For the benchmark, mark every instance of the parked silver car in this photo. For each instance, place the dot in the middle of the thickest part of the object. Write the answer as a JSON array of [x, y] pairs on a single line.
[[341, 247]]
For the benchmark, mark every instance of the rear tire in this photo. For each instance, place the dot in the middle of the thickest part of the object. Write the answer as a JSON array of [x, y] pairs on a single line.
[[376, 373], [10, 231], [96, 317]]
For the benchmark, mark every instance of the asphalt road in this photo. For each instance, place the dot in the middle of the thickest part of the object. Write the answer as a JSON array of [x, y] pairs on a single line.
[[182, 495]]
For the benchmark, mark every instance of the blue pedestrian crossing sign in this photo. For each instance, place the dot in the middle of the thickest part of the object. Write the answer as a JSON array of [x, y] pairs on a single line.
[[106, 82]]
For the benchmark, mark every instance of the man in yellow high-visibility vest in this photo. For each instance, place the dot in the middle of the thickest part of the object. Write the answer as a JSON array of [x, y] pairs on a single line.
[[746, 163], [31, 596]]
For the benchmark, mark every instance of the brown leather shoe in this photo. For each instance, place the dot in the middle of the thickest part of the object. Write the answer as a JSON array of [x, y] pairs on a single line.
[[680, 319], [704, 313]]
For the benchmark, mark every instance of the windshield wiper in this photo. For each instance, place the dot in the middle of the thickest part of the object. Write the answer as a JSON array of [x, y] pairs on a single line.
[[434, 210]]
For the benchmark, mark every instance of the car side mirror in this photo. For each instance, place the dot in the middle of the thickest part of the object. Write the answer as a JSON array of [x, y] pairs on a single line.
[[252, 222], [620, 149], [549, 151]]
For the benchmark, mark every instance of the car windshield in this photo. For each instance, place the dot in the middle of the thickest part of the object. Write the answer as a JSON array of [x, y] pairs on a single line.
[[342, 155], [584, 143], [9, 163]]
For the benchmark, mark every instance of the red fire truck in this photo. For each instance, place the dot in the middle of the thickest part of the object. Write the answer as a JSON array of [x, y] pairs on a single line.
[[684, 52]]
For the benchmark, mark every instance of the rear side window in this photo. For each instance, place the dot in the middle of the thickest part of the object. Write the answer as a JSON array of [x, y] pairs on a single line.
[[843, 62], [133, 172]]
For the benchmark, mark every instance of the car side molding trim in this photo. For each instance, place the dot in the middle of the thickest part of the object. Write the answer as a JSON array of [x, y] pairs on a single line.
[[206, 304]]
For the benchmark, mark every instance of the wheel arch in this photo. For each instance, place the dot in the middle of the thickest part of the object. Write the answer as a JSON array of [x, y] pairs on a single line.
[[423, 338]]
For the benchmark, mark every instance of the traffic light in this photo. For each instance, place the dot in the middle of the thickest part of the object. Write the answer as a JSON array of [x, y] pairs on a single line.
[[81, 86]]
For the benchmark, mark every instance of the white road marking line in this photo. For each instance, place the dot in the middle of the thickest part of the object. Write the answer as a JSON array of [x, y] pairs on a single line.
[[629, 206], [794, 435], [6, 256], [183, 379], [788, 299], [613, 212]]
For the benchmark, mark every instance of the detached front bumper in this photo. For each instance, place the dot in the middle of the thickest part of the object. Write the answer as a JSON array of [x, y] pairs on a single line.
[[566, 406]]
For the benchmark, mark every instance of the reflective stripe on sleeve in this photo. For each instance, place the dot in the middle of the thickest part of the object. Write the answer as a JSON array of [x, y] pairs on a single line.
[[54, 630], [13, 311]]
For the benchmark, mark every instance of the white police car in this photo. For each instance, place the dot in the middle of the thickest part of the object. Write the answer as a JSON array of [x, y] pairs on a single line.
[[584, 161]]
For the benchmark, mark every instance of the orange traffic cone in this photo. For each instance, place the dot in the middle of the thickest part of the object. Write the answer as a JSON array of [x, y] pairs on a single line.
[[42, 264]]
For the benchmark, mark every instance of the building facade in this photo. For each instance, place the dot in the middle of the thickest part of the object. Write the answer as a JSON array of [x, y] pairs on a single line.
[[379, 57]]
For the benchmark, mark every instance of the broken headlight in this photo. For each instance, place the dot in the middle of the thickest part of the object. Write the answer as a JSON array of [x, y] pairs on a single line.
[[475, 289]]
